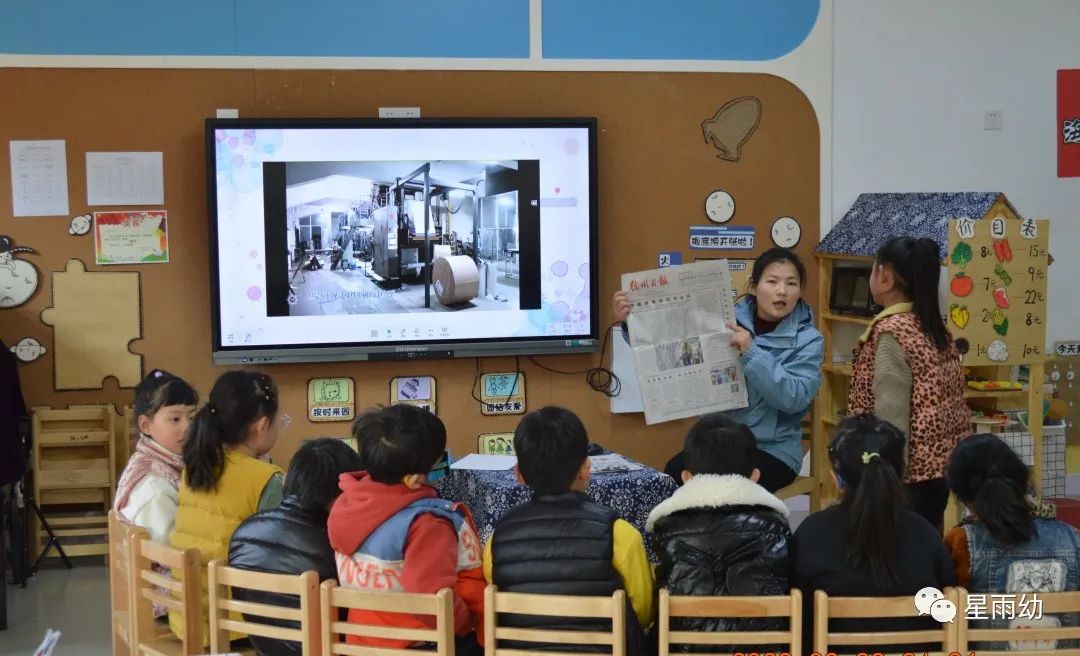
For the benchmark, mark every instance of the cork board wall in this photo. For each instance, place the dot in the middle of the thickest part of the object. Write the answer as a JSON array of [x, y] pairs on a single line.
[[655, 171]]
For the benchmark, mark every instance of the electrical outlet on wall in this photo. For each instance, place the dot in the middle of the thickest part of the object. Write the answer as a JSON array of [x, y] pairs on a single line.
[[992, 119], [399, 112]]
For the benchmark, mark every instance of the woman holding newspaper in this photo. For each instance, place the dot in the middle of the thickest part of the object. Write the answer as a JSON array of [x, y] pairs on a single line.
[[781, 352]]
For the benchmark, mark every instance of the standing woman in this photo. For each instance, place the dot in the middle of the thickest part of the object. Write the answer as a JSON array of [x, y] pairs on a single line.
[[781, 352], [907, 370]]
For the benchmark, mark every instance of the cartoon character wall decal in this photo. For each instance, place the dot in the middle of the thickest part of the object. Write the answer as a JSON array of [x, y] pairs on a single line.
[[18, 278], [28, 349], [80, 225]]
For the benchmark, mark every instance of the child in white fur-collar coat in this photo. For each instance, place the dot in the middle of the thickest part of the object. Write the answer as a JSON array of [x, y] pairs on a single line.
[[721, 534]]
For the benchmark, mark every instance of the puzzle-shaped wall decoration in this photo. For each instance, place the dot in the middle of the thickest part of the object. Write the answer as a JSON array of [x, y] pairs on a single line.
[[95, 316], [18, 278]]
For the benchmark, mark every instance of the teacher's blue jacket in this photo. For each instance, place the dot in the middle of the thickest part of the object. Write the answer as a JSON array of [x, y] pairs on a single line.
[[783, 373]]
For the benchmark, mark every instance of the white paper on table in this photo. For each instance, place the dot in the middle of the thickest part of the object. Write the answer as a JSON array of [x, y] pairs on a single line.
[[611, 463], [480, 462], [39, 178], [125, 178]]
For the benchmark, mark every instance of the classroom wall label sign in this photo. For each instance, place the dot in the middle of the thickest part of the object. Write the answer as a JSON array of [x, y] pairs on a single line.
[[668, 259], [721, 237]]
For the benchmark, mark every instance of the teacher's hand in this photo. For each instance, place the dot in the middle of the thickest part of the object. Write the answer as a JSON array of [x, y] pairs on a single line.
[[740, 337], [621, 305]]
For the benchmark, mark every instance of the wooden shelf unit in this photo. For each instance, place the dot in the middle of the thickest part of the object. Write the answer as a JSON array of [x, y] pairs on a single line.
[[74, 460], [832, 395]]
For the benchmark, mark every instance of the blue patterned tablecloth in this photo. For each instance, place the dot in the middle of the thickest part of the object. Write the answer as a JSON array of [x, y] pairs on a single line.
[[491, 494]]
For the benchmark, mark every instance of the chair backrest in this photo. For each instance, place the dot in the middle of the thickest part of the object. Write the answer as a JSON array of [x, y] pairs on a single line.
[[121, 582], [787, 606], [830, 608], [334, 599], [223, 580], [175, 584], [495, 602], [1034, 635]]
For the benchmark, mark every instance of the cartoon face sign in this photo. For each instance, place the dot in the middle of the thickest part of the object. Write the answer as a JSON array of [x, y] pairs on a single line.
[[80, 225], [28, 349], [786, 232], [332, 389], [18, 278], [719, 206]]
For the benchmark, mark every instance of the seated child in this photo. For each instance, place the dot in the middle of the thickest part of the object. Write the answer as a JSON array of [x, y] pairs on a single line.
[[148, 488], [869, 544], [291, 539], [224, 481], [527, 554], [392, 533], [721, 533], [1010, 544]]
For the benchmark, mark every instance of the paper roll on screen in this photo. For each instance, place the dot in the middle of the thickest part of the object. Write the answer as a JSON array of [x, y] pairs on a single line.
[[455, 279]]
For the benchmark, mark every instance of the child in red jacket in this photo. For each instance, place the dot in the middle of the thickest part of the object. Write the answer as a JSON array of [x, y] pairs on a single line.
[[392, 533]]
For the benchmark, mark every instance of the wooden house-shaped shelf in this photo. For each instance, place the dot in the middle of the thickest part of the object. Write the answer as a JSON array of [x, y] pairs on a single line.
[[852, 243]]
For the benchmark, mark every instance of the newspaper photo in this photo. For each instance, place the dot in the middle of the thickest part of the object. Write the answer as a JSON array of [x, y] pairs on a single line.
[[683, 356]]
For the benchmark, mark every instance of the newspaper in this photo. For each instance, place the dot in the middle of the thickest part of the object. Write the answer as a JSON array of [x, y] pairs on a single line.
[[683, 356]]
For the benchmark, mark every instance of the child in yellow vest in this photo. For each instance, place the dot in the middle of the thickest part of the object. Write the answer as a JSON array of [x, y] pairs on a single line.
[[224, 480]]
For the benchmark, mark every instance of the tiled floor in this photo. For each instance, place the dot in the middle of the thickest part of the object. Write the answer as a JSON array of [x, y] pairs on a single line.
[[75, 602]]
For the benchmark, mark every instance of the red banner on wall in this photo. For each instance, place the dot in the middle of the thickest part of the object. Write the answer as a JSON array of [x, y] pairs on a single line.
[[1068, 123]]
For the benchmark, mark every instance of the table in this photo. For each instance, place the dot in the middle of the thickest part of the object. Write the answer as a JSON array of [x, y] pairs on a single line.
[[491, 494]]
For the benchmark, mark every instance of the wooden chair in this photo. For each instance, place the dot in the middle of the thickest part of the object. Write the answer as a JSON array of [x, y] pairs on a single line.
[[178, 591], [1050, 602], [334, 599], [830, 608], [495, 602], [224, 579], [789, 606], [121, 582]]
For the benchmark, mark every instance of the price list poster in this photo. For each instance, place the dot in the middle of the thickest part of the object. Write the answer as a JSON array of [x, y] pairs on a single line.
[[997, 288]]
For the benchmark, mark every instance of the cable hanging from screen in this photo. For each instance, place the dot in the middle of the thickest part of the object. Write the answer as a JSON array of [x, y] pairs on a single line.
[[599, 378]]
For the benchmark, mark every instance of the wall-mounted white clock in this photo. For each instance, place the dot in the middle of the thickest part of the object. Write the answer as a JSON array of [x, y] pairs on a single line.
[[719, 206], [786, 232]]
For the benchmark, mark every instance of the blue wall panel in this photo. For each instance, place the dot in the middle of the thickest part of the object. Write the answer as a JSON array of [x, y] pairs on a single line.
[[676, 29], [579, 29], [367, 28]]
